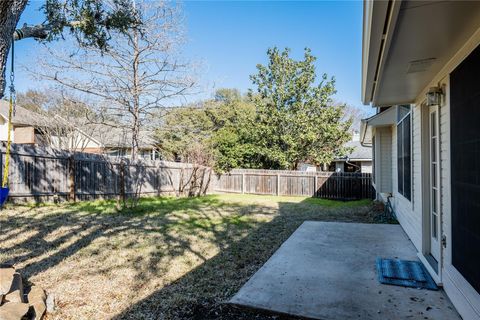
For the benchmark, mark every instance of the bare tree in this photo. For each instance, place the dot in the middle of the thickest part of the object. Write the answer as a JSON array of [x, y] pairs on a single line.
[[33, 100], [68, 127], [62, 119], [139, 74], [90, 21], [356, 114]]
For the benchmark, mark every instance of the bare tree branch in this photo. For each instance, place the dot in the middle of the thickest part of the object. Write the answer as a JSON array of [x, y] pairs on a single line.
[[140, 73]]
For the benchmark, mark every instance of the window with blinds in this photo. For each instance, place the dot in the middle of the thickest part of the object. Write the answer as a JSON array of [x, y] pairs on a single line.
[[404, 156]]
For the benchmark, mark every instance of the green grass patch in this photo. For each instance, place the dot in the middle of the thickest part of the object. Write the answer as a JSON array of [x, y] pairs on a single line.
[[181, 258], [339, 204]]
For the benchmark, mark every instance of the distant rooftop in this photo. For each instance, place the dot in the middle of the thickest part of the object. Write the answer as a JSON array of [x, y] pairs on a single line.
[[22, 116], [359, 152]]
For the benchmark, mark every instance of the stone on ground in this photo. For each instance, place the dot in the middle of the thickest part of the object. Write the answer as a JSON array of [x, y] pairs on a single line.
[[14, 296], [37, 300], [16, 289], [38, 309], [50, 302], [13, 310], [36, 294], [6, 278]]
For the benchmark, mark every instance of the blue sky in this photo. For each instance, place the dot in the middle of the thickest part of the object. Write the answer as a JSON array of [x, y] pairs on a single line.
[[230, 37]]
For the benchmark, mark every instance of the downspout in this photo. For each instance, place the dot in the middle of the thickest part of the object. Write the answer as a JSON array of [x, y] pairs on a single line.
[[348, 162]]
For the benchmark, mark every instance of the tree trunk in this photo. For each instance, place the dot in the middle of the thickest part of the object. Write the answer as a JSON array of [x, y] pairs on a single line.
[[136, 97], [135, 133], [295, 165], [10, 11]]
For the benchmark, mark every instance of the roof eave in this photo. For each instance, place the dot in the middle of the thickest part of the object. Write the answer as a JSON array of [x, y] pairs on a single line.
[[379, 20], [383, 119]]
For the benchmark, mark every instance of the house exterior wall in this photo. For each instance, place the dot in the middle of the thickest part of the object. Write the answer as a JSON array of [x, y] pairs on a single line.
[[95, 150], [79, 140], [24, 135], [464, 296], [411, 214], [383, 161], [366, 166], [4, 130]]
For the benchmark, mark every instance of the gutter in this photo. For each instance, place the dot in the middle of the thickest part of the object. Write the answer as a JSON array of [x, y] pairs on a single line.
[[364, 126], [391, 15]]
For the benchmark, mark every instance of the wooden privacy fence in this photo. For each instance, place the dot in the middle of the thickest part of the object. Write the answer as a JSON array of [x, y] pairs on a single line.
[[40, 173], [328, 185]]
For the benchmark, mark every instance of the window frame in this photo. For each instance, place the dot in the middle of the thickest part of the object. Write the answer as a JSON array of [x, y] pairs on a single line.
[[373, 158], [401, 166]]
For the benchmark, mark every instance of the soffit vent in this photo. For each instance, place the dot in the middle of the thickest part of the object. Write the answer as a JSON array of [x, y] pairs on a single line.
[[420, 65]]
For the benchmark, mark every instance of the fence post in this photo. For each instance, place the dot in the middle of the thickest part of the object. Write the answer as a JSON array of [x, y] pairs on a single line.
[[278, 184], [157, 180], [122, 182], [71, 179], [243, 182], [315, 184]]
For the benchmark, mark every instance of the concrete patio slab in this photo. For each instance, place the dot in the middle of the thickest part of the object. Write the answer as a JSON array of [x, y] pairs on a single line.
[[326, 270]]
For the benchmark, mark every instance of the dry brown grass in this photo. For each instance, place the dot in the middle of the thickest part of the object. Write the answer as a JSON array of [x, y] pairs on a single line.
[[168, 259]]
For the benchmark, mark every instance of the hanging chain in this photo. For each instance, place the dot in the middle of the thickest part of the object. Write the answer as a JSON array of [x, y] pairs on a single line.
[[13, 93], [11, 112]]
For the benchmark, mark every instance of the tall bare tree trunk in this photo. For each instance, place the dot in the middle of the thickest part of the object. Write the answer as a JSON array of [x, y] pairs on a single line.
[[136, 97], [10, 11]]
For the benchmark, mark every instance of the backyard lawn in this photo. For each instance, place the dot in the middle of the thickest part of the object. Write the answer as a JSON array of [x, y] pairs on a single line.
[[169, 258]]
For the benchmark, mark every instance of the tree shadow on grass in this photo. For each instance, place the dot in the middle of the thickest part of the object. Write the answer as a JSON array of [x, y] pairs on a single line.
[[81, 224], [157, 234], [203, 292]]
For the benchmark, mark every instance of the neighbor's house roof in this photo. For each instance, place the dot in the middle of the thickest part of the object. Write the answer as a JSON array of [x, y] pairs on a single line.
[[407, 43], [382, 119], [105, 135], [116, 137], [22, 116], [359, 152]]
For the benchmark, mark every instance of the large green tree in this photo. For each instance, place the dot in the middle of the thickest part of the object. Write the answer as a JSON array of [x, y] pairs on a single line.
[[296, 119], [289, 118], [210, 133]]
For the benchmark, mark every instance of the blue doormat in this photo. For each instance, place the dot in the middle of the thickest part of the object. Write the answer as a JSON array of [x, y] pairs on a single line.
[[404, 273]]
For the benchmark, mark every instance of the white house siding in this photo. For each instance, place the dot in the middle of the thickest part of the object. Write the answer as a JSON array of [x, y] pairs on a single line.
[[4, 130], [383, 164], [410, 220], [445, 201], [366, 166], [409, 213], [462, 294], [410, 216], [416, 118]]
